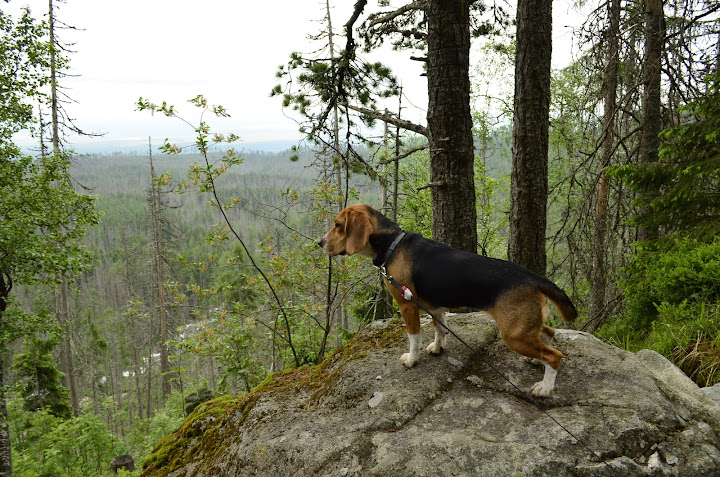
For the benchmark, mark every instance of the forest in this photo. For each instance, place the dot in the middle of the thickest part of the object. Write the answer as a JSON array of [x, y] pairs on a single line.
[[134, 286]]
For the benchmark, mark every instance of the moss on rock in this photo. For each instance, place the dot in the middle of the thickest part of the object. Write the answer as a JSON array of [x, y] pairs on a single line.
[[202, 432]]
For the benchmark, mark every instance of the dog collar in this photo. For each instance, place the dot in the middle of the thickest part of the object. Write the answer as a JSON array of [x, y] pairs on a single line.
[[391, 249]]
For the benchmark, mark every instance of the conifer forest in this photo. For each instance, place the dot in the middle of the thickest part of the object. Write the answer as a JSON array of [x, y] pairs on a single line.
[[135, 284]]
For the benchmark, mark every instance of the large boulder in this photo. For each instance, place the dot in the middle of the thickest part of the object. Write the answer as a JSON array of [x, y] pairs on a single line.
[[361, 413]]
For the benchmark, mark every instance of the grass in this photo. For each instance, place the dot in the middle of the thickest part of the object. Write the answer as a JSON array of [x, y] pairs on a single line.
[[688, 334]]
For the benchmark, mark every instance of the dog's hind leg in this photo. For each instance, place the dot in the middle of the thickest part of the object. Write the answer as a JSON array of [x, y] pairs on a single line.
[[535, 349], [544, 388], [521, 321], [437, 346], [547, 334]]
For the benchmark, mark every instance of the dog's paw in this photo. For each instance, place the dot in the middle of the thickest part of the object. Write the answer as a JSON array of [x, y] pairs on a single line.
[[408, 360], [435, 348], [541, 389]]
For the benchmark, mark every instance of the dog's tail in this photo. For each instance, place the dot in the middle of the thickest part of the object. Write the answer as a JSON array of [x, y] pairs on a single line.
[[559, 298]]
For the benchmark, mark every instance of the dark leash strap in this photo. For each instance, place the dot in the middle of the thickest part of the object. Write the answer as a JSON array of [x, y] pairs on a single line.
[[390, 250], [407, 294]]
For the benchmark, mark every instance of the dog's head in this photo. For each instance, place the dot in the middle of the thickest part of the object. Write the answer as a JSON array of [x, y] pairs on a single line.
[[350, 233]]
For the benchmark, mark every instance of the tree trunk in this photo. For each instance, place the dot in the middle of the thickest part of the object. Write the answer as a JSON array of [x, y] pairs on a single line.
[[67, 359], [62, 307], [5, 451], [54, 106], [597, 306], [331, 310], [148, 370], [133, 333], [450, 124], [652, 120], [136, 366], [529, 177], [158, 251]]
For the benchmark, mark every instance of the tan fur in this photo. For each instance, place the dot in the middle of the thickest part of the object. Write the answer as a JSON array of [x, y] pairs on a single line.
[[350, 232]]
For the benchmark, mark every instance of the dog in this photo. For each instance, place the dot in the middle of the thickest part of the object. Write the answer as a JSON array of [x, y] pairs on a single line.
[[442, 278]]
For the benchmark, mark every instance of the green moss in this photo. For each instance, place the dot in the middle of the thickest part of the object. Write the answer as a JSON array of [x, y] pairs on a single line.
[[204, 431], [172, 452]]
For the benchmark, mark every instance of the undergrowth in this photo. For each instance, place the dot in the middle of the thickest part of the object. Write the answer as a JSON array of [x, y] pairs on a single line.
[[673, 307]]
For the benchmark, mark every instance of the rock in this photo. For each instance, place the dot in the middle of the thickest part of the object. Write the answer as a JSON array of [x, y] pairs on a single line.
[[713, 392], [124, 461], [193, 400], [634, 415]]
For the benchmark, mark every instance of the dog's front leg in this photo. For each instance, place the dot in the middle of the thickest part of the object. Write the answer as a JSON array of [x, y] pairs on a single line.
[[410, 358], [411, 316]]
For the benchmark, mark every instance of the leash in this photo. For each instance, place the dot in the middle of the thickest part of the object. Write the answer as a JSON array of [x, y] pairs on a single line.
[[407, 294], [390, 250]]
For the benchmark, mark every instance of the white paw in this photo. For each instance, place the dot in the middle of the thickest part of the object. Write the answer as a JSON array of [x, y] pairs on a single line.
[[435, 348], [541, 389], [409, 360]]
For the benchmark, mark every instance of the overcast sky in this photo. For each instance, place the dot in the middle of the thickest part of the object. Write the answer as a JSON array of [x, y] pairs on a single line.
[[228, 50]]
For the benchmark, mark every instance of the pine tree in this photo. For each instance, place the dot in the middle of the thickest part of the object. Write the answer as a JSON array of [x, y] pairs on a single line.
[[39, 378], [687, 176]]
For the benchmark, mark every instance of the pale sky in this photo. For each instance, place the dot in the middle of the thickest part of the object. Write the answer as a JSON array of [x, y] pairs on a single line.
[[229, 51]]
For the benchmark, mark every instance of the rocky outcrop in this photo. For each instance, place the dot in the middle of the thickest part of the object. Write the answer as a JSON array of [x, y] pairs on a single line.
[[361, 413]]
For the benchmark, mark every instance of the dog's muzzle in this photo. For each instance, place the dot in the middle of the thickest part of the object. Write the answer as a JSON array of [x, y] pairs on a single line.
[[323, 244]]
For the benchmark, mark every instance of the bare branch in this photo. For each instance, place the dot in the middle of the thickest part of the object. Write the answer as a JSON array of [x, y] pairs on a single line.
[[431, 184], [395, 121], [405, 154]]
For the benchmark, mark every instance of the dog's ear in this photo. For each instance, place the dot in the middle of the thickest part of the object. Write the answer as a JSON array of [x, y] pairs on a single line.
[[357, 231]]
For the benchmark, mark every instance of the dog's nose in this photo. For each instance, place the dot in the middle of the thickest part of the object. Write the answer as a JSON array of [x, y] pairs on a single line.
[[321, 242]]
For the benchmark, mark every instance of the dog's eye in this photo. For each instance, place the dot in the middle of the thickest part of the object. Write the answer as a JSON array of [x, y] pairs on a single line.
[[337, 226]]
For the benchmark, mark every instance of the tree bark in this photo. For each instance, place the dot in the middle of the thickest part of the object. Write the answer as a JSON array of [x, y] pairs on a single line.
[[529, 176], [652, 119], [597, 305], [450, 124], [5, 449]]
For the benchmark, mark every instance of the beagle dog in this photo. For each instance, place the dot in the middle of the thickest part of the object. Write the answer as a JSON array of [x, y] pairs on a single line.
[[443, 278]]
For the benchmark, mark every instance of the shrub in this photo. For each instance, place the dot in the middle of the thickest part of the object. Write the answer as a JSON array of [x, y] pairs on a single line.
[[672, 301]]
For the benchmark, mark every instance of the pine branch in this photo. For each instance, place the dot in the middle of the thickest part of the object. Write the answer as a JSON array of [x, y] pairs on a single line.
[[344, 64], [419, 5]]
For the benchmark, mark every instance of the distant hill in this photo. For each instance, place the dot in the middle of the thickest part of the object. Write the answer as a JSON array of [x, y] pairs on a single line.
[[140, 146]]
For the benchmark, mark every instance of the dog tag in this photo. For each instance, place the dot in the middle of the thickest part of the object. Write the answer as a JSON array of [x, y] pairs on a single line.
[[407, 294]]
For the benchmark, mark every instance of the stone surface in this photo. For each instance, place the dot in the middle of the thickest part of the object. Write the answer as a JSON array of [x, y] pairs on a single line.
[[124, 461], [361, 413], [713, 392]]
